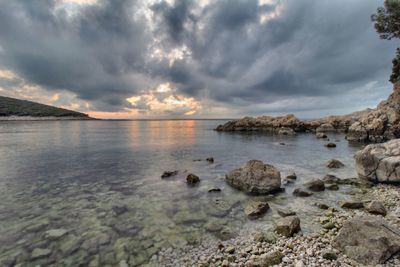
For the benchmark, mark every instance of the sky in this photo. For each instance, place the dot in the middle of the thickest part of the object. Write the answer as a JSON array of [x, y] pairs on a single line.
[[195, 59]]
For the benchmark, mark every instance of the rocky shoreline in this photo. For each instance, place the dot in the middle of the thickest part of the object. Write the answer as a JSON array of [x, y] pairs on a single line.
[[364, 230], [370, 125], [260, 246]]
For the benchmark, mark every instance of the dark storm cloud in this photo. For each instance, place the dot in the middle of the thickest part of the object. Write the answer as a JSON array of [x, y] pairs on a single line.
[[93, 54], [103, 52]]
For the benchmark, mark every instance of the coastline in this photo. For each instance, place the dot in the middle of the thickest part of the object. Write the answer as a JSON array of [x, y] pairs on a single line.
[[301, 250], [45, 118]]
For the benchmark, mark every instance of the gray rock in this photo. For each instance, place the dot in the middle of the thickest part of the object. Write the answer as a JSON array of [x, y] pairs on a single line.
[[285, 212], [330, 145], [167, 174], [379, 162], [301, 192], [255, 209], [70, 244], [288, 226], [119, 209], [40, 253], [331, 179], [255, 177], [315, 185], [129, 229], [214, 190], [322, 206], [376, 207], [268, 237], [286, 131], [321, 135], [368, 240], [213, 226], [54, 234], [352, 205], [291, 176], [332, 187], [271, 258], [334, 164], [192, 179], [329, 255], [230, 250], [326, 127]]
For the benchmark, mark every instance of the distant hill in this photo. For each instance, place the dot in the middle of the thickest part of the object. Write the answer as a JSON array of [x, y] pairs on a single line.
[[23, 108]]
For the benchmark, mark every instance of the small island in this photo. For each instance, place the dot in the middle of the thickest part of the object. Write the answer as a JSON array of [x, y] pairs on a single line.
[[12, 109]]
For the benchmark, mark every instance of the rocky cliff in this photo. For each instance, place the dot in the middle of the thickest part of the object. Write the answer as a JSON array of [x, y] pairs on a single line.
[[370, 125]]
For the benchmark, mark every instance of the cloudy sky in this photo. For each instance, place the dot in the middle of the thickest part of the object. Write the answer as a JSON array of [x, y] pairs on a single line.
[[200, 59]]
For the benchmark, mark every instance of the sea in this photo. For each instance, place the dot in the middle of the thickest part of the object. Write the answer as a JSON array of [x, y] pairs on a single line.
[[77, 192]]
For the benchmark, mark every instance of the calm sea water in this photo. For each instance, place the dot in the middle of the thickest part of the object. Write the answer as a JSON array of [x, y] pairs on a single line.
[[97, 185]]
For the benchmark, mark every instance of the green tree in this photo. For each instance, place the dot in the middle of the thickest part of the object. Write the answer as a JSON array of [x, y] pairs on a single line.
[[387, 25]]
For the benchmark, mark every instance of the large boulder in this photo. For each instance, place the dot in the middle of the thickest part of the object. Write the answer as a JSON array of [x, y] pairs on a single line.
[[379, 162], [368, 240], [288, 226], [255, 177], [255, 209]]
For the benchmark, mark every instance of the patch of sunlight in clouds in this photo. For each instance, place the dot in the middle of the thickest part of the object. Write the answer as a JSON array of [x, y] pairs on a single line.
[[80, 2], [276, 12], [164, 100]]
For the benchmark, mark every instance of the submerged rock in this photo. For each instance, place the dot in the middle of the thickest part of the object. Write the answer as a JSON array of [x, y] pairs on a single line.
[[54, 234], [167, 174], [376, 207], [210, 159], [192, 179], [332, 187], [286, 131], [214, 226], [255, 209], [331, 179], [288, 226], [301, 192], [291, 176], [119, 209], [379, 162], [330, 145], [368, 240], [40, 253], [129, 229], [316, 185], [352, 205], [334, 164], [214, 190], [255, 177], [286, 212]]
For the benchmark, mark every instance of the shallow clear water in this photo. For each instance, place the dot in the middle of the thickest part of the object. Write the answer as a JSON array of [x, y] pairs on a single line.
[[100, 181]]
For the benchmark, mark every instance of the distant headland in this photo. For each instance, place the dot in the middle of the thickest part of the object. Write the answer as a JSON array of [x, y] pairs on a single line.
[[16, 109]]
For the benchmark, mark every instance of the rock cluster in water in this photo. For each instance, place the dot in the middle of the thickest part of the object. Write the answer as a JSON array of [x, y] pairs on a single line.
[[359, 231], [349, 237], [370, 125]]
